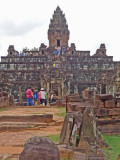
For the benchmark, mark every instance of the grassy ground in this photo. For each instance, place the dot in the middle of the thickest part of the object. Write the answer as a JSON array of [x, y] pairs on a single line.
[[63, 111], [3, 109], [114, 146], [54, 138]]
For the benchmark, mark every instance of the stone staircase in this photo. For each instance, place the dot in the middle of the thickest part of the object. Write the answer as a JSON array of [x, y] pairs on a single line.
[[24, 122], [18, 124]]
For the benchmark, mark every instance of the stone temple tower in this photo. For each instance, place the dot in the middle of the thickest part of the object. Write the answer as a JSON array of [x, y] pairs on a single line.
[[58, 33]]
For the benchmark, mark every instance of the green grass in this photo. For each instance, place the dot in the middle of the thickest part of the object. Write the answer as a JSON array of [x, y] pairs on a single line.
[[3, 109], [114, 146], [61, 114], [53, 138], [63, 111]]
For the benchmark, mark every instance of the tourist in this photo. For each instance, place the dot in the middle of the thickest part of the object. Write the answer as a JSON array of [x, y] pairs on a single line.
[[29, 95], [35, 96], [42, 100]]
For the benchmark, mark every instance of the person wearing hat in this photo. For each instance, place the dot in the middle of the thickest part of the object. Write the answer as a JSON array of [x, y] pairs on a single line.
[[42, 92]]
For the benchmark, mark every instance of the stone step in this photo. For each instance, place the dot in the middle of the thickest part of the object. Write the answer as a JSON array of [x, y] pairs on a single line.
[[47, 118], [18, 126]]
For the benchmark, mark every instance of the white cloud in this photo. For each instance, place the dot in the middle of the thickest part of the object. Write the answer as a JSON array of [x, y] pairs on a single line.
[[9, 28], [24, 23]]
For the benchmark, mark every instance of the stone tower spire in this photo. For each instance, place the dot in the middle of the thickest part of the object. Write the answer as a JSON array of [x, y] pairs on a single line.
[[58, 33]]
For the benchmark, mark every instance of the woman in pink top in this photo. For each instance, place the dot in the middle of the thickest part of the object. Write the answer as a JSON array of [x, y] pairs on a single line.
[[29, 95]]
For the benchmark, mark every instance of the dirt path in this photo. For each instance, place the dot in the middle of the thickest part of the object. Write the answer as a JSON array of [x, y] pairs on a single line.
[[11, 143]]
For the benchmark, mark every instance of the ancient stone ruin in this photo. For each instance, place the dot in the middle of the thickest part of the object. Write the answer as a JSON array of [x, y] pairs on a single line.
[[88, 85], [6, 100], [38, 148], [59, 68], [79, 132]]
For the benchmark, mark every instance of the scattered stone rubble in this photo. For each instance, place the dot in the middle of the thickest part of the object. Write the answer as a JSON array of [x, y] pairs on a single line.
[[106, 108], [79, 132]]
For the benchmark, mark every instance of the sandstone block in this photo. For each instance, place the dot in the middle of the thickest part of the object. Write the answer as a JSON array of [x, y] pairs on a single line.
[[38, 148], [5, 94], [118, 158], [88, 132], [65, 152], [71, 127], [106, 96], [99, 104], [79, 156], [118, 104], [1, 94], [110, 103], [104, 112]]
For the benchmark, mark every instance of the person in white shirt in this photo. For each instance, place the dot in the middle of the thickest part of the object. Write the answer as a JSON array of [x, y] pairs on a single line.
[[42, 96]]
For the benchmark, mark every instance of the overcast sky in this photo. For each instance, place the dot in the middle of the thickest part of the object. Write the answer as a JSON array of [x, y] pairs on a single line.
[[24, 23]]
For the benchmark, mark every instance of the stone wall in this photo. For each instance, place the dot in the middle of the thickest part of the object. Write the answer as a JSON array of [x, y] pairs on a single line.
[[72, 73], [107, 109]]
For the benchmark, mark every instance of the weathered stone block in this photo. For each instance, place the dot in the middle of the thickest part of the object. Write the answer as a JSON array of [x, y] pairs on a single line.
[[87, 141], [110, 103], [71, 127], [118, 158], [1, 94], [72, 107], [11, 99], [106, 96], [5, 94], [95, 157], [73, 98], [83, 95], [79, 156], [99, 104], [109, 128], [104, 112], [65, 152], [118, 104], [87, 94], [39, 148]]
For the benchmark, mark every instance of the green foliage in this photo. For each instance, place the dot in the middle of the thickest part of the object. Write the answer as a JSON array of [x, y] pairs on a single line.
[[36, 113], [77, 139], [53, 138], [3, 109], [62, 158], [114, 146], [61, 114], [62, 108]]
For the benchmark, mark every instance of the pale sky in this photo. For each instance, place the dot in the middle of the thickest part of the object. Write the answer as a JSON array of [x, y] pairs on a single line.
[[24, 23]]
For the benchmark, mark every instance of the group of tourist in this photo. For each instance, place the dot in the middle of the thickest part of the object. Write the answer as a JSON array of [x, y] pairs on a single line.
[[33, 97], [60, 51]]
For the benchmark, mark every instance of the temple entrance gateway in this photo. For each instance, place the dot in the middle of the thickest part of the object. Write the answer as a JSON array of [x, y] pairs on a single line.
[[58, 43]]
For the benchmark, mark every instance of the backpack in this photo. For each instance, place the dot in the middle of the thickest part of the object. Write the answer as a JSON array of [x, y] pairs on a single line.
[[35, 95], [39, 95]]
